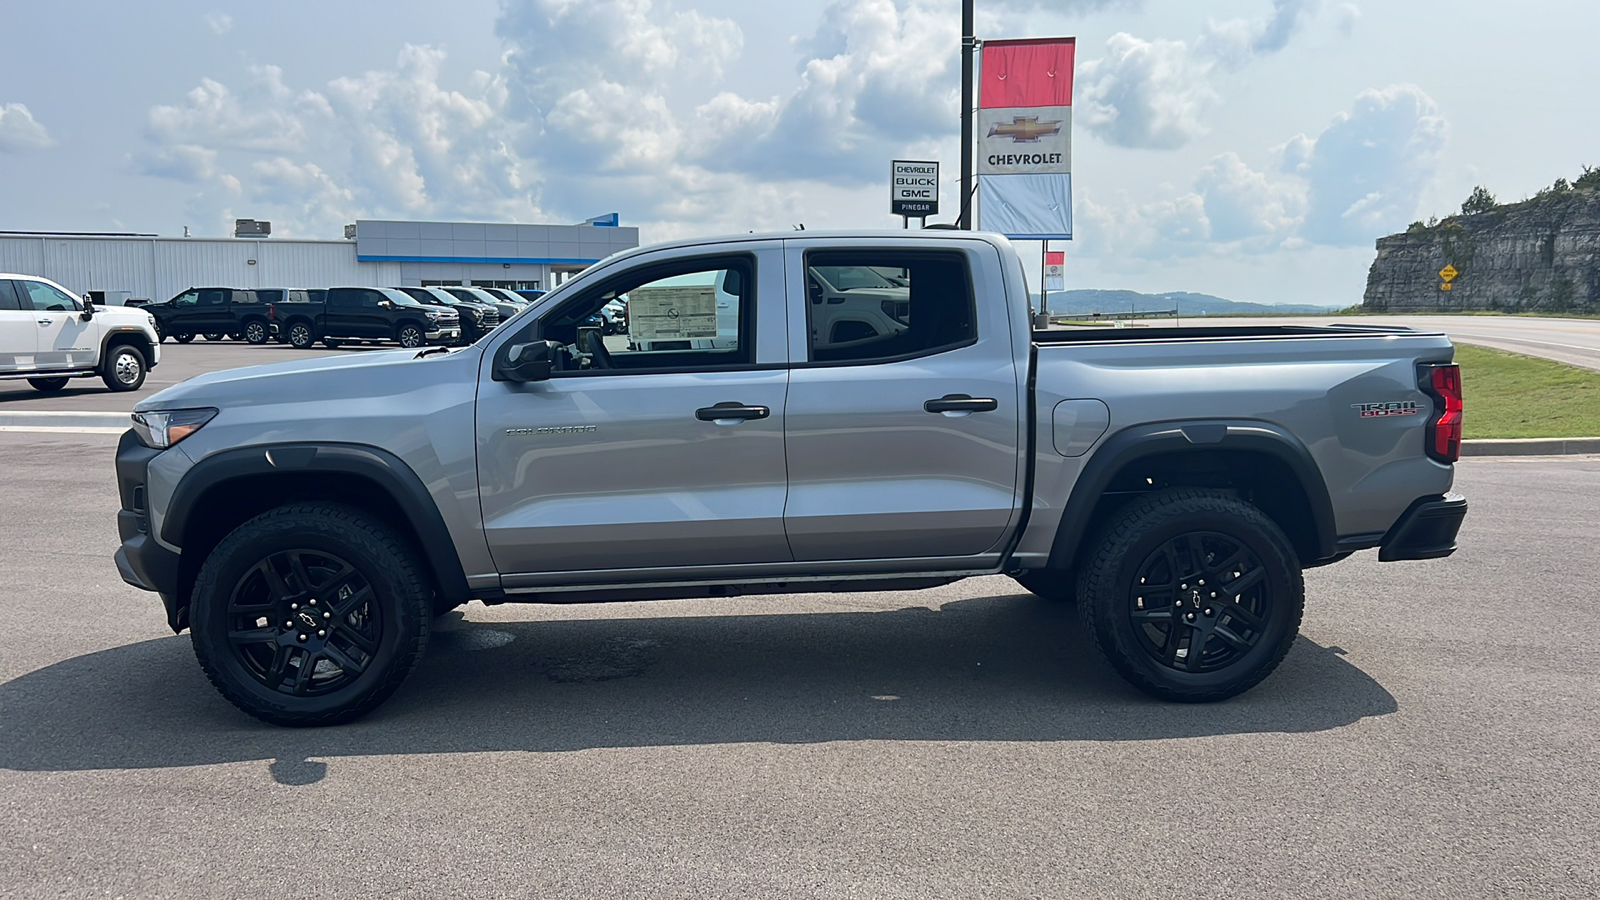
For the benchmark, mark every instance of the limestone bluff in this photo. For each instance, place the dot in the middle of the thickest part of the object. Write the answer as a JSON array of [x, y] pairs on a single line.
[[1539, 255]]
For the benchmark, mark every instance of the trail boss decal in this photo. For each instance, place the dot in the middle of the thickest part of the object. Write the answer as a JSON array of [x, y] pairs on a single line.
[[1392, 408]]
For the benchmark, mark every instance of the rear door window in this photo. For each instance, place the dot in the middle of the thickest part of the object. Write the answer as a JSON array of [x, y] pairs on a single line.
[[8, 295], [867, 306]]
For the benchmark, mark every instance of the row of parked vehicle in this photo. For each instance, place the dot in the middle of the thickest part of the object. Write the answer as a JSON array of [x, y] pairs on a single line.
[[302, 317]]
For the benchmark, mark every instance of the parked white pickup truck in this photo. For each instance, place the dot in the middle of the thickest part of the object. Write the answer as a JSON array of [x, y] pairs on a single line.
[[307, 520], [48, 335]]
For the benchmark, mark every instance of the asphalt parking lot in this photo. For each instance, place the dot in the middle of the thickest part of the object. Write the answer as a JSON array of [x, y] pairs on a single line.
[[1433, 733]]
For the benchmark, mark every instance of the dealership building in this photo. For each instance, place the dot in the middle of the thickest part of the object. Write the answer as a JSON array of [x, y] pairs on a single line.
[[116, 267]]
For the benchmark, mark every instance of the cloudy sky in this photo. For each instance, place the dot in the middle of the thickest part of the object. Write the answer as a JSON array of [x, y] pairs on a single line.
[[1252, 149]]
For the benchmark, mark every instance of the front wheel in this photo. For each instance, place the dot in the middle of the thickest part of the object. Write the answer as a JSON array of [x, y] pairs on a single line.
[[310, 614], [48, 385], [214, 335], [332, 343], [183, 337], [125, 369], [1192, 595], [409, 336]]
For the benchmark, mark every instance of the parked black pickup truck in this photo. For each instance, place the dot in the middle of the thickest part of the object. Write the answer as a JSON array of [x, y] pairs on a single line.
[[215, 312], [363, 314]]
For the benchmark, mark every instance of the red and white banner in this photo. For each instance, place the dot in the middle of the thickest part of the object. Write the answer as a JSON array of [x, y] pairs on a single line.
[[1055, 270], [1025, 138]]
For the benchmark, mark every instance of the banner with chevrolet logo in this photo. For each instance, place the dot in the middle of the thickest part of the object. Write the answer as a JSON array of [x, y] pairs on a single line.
[[1024, 132]]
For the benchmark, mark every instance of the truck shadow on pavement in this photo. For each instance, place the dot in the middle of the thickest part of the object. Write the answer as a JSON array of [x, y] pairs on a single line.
[[997, 668]]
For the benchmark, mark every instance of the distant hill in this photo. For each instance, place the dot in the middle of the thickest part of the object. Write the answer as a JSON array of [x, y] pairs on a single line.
[[1088, 302]]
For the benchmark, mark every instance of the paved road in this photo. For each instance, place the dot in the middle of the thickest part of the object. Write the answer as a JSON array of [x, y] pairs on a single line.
[[1432, 734]]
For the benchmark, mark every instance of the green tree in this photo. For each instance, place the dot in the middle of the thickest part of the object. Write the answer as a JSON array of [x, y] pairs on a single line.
[[1589, 180], [1480, 201]]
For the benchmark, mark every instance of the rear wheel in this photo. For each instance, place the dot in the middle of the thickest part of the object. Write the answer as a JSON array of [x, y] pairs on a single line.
[[1192, 595], [408, 335], [331, 343], [48, 385], [183, 337], [255, 332], [214, 335], [301, 336], [124, 368], [310, 614]]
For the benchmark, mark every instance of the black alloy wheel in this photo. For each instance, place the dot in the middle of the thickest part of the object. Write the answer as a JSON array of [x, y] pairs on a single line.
[[331, 343], [255, 332], [293, 643], [409, 335], [183, 337], [214, 335], [310, 614], [48, 385], [1192, 595], [301, 336]]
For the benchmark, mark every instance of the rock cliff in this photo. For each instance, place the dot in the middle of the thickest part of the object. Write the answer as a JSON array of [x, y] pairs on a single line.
[[1540, 254]]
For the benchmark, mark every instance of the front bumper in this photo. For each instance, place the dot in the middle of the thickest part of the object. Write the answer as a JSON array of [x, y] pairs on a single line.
[[141, 561], [1427, 530], [444, 334]]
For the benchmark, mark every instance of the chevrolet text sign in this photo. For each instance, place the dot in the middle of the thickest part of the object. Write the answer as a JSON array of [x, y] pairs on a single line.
[[913, 188]]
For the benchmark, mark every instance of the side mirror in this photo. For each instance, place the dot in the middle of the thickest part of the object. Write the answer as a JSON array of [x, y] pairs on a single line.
[[88, 309], [386, 304], [532, 361]]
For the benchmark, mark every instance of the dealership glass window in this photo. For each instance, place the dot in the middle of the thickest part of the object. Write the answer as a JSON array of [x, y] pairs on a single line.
[[696, 314], [877, 305], [434, 282]]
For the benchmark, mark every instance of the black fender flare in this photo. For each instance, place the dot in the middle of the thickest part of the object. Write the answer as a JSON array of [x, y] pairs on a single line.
[[143, 343], [1140, 441], [387, 471]]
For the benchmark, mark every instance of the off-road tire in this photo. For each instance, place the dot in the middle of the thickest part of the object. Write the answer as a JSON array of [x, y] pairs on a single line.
[[381, 558], [255, 332], [124, 368], [48, 385], [301, 336], [1051, 584], [409, 335], [1135, 540], [183, 337]]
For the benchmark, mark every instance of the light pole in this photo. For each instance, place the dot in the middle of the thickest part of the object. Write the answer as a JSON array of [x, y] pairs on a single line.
[[968, 45]]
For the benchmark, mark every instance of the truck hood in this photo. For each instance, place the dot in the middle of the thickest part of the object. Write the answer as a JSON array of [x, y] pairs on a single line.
[[123, 315], [347, 376]]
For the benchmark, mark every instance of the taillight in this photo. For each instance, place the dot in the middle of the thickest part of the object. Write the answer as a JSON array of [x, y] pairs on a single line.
[[1443, 384]]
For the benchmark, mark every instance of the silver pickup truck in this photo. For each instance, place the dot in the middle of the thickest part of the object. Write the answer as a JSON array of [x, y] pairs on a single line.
[[762, 429]]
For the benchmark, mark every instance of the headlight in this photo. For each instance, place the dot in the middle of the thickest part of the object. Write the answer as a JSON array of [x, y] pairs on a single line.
[[161, 430]]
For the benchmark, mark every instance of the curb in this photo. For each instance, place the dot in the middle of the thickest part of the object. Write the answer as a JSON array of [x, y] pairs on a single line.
[[1530, 446], [65, 422]]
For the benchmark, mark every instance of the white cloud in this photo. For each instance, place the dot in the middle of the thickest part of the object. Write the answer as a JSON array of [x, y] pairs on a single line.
[[220, 23], [1157, 94], [1366, 171], [20, 131], [1243, 204], [1144, 93]]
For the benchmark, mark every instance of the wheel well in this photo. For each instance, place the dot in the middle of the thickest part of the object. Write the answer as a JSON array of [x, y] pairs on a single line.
[[412, 322], [134, 339], [1258, 478], [228, 505]]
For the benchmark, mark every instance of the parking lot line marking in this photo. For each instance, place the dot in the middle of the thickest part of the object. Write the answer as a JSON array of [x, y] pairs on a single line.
[[60, 429]]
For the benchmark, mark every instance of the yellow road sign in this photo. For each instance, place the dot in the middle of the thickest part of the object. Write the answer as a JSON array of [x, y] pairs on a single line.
[[1444, 286], [1448, 273]]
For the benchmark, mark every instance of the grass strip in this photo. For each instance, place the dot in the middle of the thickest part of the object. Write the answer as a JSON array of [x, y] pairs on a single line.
[[1507, 395]]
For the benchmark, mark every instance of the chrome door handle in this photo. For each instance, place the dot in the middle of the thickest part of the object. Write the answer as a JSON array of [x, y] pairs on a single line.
[[961, 403], [731, 413]]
